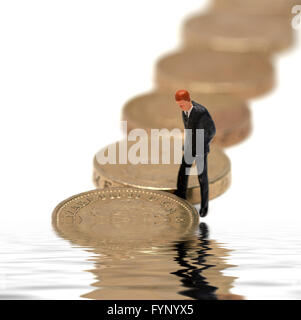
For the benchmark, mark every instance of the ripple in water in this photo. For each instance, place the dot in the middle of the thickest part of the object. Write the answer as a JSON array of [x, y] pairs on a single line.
[[262, 264], [152, 264]]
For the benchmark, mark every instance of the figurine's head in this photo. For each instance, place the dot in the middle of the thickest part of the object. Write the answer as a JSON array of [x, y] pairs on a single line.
[[183, 100]]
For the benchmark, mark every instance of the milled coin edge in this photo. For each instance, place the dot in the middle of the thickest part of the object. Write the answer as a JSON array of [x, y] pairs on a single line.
[[183, 203]]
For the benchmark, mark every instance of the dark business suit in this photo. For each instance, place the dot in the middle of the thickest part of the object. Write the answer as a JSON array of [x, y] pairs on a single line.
[[199, 118]]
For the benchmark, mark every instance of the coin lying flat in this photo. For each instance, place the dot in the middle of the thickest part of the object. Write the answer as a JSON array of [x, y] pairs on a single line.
[[158, 110], [256, 7], [161, 176], [119, 215], [245, 75], [238, 33]]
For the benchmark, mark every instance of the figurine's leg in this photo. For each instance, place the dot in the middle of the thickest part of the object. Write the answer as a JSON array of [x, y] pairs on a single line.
[[182, 182], [204, 184]]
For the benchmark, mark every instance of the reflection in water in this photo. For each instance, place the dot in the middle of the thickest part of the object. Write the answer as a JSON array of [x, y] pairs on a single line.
[[202, 263], [191, 275], [178, 262]]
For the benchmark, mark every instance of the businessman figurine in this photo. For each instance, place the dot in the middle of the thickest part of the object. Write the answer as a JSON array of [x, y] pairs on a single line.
[[196, 147]]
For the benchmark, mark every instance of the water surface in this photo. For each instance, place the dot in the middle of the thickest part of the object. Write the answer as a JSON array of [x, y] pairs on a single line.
[[263, 264]]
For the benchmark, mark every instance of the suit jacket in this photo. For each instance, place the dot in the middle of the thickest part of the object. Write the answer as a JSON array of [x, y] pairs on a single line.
[[200, 118]]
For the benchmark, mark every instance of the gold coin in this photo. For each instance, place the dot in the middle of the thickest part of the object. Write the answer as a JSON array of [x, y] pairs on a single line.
[[161, 176], [256, 7], [137, 238], [245, 75], [238, 33], [158, 110], [120, 215]]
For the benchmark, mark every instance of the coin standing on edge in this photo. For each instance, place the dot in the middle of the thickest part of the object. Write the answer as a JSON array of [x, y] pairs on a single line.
[[158, 110], [244, 75], [238, 33], [162, 176], [122, 215]]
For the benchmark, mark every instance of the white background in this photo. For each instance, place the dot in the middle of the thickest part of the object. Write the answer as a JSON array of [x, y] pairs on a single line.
[[66, 70]]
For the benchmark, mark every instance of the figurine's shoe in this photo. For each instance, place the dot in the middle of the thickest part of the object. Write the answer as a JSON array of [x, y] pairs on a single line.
[[203, 212], [180, 194]]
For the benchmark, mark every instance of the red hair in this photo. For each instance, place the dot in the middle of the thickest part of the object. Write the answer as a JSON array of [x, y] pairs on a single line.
[[182, 95]]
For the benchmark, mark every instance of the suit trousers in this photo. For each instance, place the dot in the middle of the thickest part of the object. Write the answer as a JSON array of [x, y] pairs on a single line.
[[183, 175]]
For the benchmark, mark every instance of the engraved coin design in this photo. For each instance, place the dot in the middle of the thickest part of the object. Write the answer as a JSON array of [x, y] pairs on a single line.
[[162, 176], [158, 110], [238, 33], [117, 215], [244, 75]]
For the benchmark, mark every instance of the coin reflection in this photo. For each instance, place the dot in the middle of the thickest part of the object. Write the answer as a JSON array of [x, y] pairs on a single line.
[[138, 254]]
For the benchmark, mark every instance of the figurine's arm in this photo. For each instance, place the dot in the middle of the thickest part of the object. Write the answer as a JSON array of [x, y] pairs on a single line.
[[206, 122], [210, 129]]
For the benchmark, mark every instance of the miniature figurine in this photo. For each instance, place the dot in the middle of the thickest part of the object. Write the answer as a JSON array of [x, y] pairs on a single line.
[[195, 116]]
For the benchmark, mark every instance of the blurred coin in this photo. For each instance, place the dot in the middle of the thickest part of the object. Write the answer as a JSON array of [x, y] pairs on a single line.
[[160, 176], [238, 33], [122, 215], [241, 74], [256, 7], [158, 110]]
